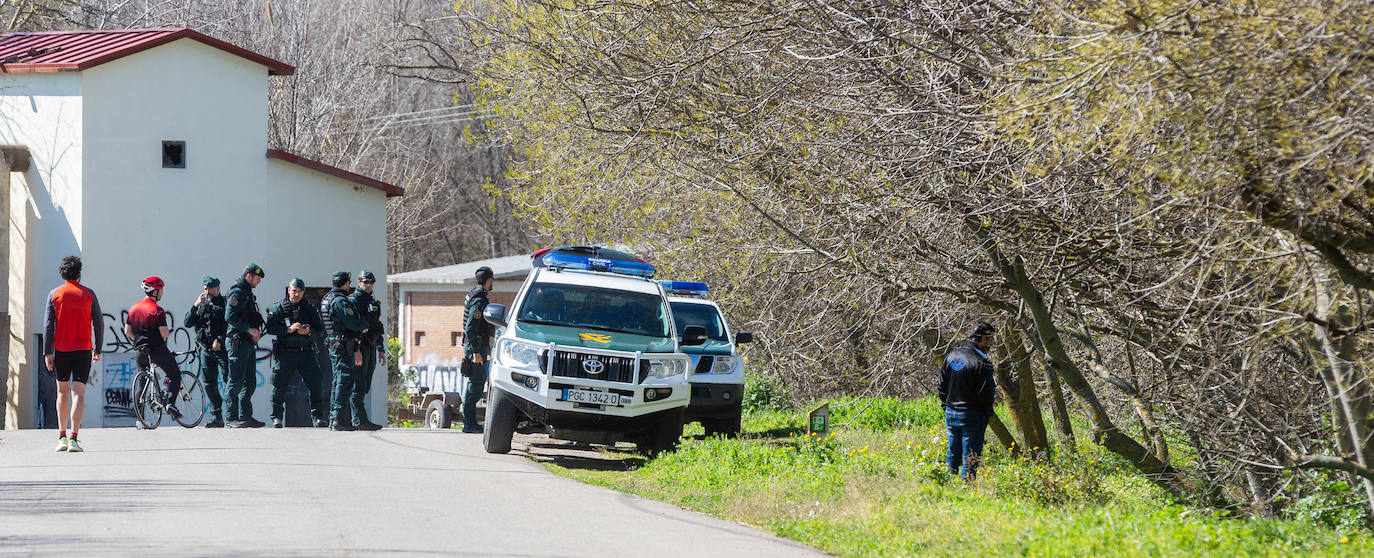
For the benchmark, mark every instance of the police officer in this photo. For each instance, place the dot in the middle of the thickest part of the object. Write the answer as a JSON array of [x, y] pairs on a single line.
[[344, 327], [206, 317], [294, 321], [373, 343], [244, 321], [476, 346]]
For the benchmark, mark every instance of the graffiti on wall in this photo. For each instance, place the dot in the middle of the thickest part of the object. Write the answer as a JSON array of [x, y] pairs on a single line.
[[118, 358], [435, 374]]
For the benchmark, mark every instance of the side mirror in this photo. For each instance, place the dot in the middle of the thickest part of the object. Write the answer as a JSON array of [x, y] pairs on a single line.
[[495, 314], [693, 335], [744, 337]]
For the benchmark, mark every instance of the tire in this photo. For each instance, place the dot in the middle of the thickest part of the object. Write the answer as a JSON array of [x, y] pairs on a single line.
[[500, 423], [147, 415], [665, 435], [729, 425], [191, 401], [438, 415]]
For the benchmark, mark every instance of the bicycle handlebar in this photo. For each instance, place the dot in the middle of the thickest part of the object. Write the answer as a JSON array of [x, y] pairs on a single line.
[[174, 353]]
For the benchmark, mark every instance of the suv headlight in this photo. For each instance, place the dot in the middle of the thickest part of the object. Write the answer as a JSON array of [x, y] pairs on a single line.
[[519, 354], [724, 365], [667, 368]]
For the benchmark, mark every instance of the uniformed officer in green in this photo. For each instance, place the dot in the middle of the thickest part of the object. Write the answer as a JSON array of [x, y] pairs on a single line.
[[295, 321], [373, 343], [206, 318], [345, 327], [244, 322]]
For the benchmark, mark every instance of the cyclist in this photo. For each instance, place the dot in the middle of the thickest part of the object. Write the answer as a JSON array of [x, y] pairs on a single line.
[[147, 328]]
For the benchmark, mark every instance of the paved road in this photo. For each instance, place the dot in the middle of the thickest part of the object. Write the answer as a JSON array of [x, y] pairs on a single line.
[[311, 492]]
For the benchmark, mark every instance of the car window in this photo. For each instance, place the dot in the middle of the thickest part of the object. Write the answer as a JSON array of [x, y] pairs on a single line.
[[704, 315], [596, 308]]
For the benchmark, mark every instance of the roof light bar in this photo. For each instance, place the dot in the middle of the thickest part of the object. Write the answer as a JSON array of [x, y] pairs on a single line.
[[567, 261], [684, 288]]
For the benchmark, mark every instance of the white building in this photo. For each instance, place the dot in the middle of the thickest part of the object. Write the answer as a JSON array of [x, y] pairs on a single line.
[[149, 156], [430, 314]]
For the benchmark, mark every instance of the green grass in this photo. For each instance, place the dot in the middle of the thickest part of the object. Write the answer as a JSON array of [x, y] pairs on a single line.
[[878, 488]]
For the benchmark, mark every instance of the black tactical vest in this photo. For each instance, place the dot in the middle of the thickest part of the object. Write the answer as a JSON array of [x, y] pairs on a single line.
[[326, 316]]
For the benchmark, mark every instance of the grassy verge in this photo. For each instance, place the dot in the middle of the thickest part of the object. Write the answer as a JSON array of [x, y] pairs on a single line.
[[879, 488]]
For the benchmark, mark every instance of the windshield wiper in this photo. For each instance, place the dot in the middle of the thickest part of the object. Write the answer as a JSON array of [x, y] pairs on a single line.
[[611, 329], [541, 322]]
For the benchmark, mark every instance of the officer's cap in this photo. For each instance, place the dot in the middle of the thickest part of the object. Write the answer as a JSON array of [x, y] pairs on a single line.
[[366, 275], [486, 269], [210, 282], [342, 275], [297, 283], [254, 269]]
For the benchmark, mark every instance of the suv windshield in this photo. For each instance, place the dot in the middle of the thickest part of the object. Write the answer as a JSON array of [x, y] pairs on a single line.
[[596, 308], [704, 315]]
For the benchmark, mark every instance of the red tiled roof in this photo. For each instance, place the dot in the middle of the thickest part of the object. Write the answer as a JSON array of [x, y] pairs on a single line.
[[390, 189], [74, 51]]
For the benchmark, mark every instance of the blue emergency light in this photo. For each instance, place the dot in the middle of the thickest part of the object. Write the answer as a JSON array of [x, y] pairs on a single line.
[[569, 261], [684, 288]]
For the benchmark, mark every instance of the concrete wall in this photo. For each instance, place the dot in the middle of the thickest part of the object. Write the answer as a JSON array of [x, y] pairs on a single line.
[[43, 112]]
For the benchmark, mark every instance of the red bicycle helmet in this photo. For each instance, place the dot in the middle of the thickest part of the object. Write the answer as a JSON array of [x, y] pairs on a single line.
[[152, 284]]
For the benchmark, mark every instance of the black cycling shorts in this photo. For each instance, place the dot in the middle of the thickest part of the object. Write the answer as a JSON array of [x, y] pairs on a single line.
[[72, 366]]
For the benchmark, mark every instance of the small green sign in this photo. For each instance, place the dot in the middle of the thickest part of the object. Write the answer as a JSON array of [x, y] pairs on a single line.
[[819, 419]]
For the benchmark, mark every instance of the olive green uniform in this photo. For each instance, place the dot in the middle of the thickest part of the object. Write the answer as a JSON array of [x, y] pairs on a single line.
[[207, 319], [344, 327], [373, 340], [295, 354], [241, 314]]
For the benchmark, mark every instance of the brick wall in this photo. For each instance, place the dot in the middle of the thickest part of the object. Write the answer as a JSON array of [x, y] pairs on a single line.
[[439, 315]]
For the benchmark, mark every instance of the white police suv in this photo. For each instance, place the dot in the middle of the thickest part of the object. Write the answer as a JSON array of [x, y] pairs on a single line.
[[588, 351], [717, 377]]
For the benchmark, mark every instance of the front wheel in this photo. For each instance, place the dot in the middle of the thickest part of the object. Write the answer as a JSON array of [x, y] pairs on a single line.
[[727, 425], [665, 435], [191, 401], [500, 424], [147, 412]]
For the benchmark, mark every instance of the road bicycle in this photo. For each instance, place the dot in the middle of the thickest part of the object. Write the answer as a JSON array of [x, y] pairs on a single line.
[[150, 396]]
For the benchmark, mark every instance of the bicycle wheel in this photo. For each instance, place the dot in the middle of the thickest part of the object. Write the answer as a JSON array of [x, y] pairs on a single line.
[[146, 410], [191, 401]]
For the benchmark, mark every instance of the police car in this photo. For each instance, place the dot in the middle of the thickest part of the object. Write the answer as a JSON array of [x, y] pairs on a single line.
[[717, 377], [588, 352]]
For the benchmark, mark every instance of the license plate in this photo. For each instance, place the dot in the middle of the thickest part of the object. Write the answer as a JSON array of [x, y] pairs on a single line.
[[591, 397]]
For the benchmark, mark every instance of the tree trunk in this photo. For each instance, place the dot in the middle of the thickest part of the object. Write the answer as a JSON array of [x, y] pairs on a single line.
[[1350, 389], [1105, 432], [1019, 392], [1061, 411], [1003, 435]]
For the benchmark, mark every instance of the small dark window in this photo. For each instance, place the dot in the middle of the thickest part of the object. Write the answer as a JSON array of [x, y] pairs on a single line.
[[419, 338], [456, 338], [173, 154]]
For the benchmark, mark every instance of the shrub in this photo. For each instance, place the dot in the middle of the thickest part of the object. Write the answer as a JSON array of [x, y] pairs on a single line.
[[765, 393], [1331, 501]]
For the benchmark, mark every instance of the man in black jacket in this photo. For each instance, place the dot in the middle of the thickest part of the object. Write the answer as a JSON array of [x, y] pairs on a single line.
[[967, 386], [476, 346], [207, 317]]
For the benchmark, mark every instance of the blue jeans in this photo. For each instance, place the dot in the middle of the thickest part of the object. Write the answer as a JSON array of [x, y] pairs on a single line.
[[476, 383], [966, 430]]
